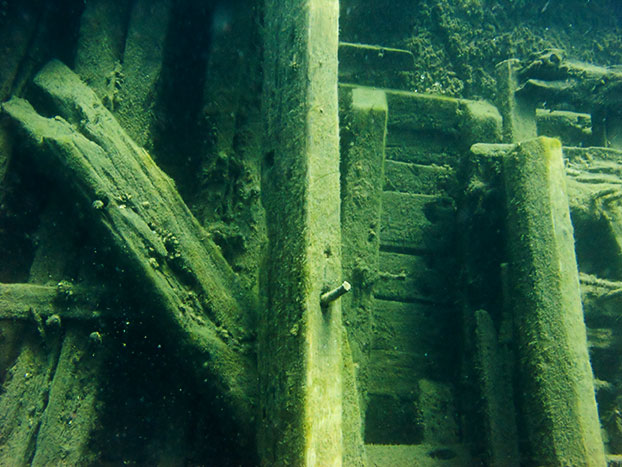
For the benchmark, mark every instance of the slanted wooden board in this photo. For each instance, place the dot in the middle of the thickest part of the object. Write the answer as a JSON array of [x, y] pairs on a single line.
[[196, 297]]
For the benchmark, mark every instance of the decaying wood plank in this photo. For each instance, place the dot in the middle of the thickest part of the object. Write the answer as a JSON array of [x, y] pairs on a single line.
[[50, 402], [143, 60], [72, 413], [99, 52], [25, 301], [196, 297], [24, 397], [551, 76]]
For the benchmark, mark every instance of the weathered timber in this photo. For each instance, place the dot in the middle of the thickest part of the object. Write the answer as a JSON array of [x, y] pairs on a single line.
[[500, 430], [550, 76], [50, 365], [24, 396], [143, 60], [409, 278], [518, 111], [49, 407], [300, 344], [416, 223], [72, 413], [18, 31], [372, 65], [406, 177], [99, 52], [228, 75], [196, 297], [561, 418], [363, 134], [573, 128], [28, 301]]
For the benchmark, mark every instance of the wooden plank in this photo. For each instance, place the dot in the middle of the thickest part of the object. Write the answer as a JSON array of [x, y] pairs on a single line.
[[409, 278], [72, 414], [411, 340], [300, 356], [395, 373], [418, 111], [430, 141], [29, 301], [372, 65], [197, 300], [494, 386], [99, 52], [416, 178], [422, 147], [19, 28], [420, 155], [143, 59], [412, 328], [416, 223], [557, 386], [24, 397]]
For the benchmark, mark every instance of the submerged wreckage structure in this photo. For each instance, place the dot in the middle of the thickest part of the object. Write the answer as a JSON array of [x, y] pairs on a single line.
[[177, 251]]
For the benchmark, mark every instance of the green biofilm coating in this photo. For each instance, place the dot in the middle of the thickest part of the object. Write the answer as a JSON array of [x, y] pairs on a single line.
[[561, 417]]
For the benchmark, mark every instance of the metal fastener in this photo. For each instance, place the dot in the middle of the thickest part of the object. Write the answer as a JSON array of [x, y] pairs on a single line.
[[334, 294]]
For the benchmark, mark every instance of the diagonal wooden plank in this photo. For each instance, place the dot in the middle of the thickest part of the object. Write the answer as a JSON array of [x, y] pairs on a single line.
[[197, 299]]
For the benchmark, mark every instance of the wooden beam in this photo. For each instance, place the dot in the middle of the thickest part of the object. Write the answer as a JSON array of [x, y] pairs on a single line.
[[25, 301], [301, 350], [556, 383], [174, 266]]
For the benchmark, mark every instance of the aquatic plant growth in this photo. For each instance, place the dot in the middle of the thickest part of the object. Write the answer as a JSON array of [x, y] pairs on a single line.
[[314, 232]]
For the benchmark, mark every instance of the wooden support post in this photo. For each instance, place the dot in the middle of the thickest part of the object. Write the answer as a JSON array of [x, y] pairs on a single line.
[[143, 58], [497, 401], [363, 137], [519, 112], [560, 414], [99, 54], [197, 300], [300, 347]]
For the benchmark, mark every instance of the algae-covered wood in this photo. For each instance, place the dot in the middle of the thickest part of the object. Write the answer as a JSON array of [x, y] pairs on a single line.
[[556, 384], [300, 344], [137, 211]]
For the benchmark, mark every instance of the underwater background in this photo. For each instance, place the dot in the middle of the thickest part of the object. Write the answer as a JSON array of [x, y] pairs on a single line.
[[183, 183]]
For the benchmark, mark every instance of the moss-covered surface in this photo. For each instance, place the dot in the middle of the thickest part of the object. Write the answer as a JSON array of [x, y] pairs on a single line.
[[184, 78], [557, 392], [304, 392], [363, 131], [456, 44]]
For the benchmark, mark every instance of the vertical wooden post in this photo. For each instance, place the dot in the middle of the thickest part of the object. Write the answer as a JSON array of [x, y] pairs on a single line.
[[300, 359], [519, 112], [559, 407], [363, 139]]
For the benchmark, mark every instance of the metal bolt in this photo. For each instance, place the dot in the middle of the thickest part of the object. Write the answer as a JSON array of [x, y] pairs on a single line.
[[334, 294]]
